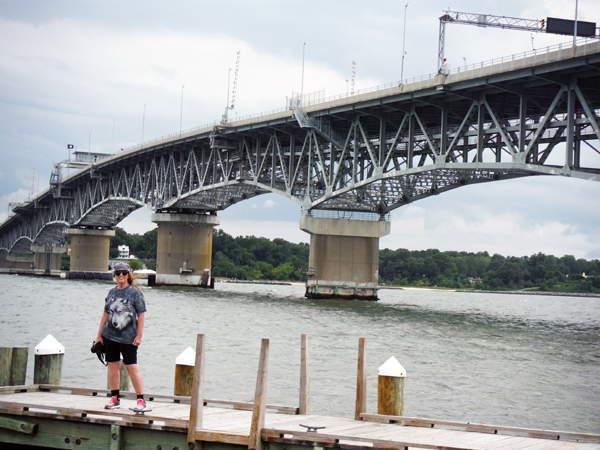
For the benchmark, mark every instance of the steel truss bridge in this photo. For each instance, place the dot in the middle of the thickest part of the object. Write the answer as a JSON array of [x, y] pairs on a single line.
[[372, 152]]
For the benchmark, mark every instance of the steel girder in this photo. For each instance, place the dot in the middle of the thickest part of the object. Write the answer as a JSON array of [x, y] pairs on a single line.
[[371, 153]]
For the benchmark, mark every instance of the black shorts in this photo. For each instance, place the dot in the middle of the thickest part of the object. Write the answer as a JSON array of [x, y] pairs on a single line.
[[114, 350]]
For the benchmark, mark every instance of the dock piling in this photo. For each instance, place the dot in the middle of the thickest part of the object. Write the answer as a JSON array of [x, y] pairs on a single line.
[[197, 402], [13, 365], [184, 372], [361, 381], [304, 402], [390, 388], [260, 399], [49, 355], [5, 365], [18, 366]]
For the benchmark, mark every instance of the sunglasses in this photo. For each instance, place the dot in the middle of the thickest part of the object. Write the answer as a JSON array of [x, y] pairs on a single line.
[[118, 273]]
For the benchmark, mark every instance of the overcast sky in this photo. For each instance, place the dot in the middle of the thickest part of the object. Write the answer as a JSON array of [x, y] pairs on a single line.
[[80, 73]]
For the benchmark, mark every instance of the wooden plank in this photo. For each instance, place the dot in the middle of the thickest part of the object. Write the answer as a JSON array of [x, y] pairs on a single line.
[[329, 438], [467, 440], [229, 423], [248, 406], [361, 380], [481, 428], [260, 399], [146, 418], [18, 425], [510, 442], [226, 438], [361, 428], [18, 389], [281, 409], [197, 402]]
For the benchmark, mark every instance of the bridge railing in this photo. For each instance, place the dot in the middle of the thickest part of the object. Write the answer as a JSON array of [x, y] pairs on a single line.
[[353, 215], [523, 55], [309, 99]]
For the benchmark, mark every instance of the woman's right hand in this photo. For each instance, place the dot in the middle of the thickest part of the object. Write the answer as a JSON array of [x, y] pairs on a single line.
[[99, 339]]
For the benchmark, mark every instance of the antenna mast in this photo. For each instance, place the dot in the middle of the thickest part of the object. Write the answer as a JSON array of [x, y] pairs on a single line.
[[235, 80], [225, 118]]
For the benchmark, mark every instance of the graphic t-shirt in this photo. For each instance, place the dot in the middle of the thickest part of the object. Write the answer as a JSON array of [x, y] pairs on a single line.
[[123, 307]]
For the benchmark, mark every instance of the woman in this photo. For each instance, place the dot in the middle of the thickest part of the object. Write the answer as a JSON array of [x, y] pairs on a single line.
[[120, 331]]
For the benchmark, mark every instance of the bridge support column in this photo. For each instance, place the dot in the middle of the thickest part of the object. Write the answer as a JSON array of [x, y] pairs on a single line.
[[344, 257], [15, 263], [184, 248], [47, 259], [89, 253]]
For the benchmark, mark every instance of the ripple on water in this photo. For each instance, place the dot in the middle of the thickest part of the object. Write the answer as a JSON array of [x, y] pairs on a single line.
[[487, 358]]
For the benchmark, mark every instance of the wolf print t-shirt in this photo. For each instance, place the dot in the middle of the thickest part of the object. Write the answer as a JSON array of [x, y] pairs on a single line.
[[123, 307]]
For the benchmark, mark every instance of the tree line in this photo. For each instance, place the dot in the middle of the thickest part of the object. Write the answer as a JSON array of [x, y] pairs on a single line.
[[481, 271], [252, 258]]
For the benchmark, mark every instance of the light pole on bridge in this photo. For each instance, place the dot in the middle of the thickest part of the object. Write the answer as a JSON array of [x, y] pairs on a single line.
[[181, 114], [302, 85], [143, 123], [403, 42]]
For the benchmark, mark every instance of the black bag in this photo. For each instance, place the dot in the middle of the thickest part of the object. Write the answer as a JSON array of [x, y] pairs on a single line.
[[100, 352]]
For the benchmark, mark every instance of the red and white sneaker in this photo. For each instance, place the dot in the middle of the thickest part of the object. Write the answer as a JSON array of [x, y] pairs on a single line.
[[141, 405], [114, 403]]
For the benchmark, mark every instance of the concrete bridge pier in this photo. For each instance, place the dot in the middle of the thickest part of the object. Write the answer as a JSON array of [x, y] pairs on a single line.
[[15, 263], [89, 253], [184, 248], [344, 257], [47, 259]]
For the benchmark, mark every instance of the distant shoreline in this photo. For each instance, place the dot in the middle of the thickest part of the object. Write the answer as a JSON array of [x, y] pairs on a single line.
[[558, 294], [296, 283]]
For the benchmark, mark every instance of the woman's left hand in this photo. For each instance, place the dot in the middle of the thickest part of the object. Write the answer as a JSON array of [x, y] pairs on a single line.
[[137, 341]]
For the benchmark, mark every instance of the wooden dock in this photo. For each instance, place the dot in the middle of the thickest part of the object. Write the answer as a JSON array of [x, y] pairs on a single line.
[[52, 416]]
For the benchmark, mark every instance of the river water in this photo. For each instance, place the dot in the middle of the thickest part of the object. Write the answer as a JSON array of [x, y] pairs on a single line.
[[516, 360]]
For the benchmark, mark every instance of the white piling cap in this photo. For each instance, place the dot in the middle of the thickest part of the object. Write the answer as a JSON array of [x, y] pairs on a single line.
[[49, 346], [187, 358], [391, 368]]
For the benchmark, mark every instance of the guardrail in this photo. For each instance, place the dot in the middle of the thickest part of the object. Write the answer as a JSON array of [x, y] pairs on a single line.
[[309, 99], [353, 215]]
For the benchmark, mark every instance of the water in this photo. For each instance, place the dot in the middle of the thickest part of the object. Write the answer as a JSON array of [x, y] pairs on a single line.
[[487, 358]]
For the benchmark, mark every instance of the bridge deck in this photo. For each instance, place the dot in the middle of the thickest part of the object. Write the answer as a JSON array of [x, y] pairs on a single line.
[[231, 425]]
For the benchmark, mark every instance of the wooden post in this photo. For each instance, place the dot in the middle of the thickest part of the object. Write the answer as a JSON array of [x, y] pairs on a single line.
[[260, 399], [197, 402], [184, 372], [13, 365], [49, 355], [304, 402], [116, 437], [18, 368], [390, 388], [361, 381], [5, 365]]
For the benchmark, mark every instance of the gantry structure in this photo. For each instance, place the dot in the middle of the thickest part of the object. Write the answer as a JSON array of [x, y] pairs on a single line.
[[368, 153]]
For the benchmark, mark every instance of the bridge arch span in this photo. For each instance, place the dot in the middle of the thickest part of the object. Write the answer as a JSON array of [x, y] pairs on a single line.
[[108, 212], [52, 233], [22, 246]]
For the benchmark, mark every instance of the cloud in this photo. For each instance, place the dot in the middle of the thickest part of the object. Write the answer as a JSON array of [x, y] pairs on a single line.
[[68, 69]]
